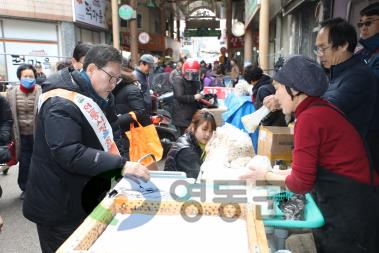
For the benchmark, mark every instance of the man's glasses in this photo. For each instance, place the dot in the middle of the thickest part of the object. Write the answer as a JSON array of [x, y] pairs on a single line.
[[112, 79], [320, 50], [366, 23]]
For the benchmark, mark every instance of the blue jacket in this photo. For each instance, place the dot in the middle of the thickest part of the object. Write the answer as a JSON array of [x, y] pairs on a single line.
[[370, 54], [352, 88], [145, 88]]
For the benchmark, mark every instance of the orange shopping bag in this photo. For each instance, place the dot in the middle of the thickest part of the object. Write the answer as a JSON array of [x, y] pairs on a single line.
[[143, 141]]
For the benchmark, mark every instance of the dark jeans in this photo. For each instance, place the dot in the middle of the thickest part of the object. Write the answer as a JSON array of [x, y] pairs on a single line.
[[27, 142], [52, 237]]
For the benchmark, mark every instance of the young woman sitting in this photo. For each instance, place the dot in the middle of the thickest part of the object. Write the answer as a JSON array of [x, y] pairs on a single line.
[[187, 154]]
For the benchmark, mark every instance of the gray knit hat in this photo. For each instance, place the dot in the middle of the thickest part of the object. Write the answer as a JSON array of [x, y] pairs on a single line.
[[303, 74]]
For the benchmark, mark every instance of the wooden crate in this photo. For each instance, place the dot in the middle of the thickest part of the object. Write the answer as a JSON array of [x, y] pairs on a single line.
[[96, 223]]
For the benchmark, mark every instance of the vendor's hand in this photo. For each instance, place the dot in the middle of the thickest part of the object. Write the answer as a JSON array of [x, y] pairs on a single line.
[[198, 97], [137, 169], [254, 175], [271, 102], [257, 172]]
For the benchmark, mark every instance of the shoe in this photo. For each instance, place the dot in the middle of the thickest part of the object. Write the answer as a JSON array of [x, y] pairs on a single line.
[[22, 195]]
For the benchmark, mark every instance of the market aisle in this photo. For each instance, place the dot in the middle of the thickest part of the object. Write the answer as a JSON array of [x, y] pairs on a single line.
[[19, 234]]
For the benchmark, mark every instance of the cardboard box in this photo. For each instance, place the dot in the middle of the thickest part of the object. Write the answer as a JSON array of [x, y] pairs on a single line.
[[276, 143]]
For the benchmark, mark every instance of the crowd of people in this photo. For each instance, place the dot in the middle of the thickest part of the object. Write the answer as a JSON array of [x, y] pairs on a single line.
[[336, 138]]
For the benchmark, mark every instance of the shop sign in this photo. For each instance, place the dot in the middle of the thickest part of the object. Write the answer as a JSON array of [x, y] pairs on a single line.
[[91, 12], [144, 38], [126, 12], [202, 32], [221, 92], [236, 42]]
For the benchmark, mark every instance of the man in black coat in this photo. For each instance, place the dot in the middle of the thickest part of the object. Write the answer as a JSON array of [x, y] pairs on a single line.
[[262, 87], [186, 95], [352, 85], [146, 64], [70, 166], [129, 98]]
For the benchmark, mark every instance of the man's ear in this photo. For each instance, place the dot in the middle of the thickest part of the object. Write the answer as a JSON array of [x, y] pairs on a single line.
[[345, 46], [90, 69]]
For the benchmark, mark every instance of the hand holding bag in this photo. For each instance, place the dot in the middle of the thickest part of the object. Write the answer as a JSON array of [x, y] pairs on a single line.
[[143, 141]]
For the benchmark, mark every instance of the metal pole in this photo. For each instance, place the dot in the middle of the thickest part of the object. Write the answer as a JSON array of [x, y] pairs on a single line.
[[133, 36], [115, 25]]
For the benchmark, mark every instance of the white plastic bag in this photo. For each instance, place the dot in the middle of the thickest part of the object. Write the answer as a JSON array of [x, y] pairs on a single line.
[[252, 121]]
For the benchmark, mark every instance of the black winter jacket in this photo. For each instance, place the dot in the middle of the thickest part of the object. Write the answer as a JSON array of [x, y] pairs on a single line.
[[5, 129], [67, 172], [352, 89], [185, 105], [5, 121], [262, 89], [185, 155], [145, 88], [128, 98]]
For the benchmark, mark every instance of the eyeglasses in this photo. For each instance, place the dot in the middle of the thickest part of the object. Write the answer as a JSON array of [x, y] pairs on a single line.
[[319, 50], [112, 79], [366, 23]]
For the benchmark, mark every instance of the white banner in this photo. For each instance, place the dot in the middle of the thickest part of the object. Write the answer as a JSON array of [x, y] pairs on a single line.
[[90, 12], [32, 53]]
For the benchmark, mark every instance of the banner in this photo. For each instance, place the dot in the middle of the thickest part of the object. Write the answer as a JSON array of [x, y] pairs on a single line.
[[90, 12]]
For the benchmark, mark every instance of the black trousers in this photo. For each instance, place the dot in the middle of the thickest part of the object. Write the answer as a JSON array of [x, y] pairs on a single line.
[[25, 157], [52, 237]]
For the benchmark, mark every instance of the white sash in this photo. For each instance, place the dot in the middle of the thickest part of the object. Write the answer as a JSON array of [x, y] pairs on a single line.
[[91, 112]]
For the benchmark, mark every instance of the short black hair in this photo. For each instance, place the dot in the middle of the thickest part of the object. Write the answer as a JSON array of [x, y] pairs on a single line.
[[101, 55], [81, 50], [63, 64], [371, 10], [23, 67], [252, 73], [340, 33]]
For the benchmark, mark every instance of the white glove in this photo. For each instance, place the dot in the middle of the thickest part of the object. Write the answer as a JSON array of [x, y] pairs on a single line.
[[258, 166]]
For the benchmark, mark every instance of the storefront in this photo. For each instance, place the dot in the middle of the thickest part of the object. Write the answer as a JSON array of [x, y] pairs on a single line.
[[90, 21], [30, 42]]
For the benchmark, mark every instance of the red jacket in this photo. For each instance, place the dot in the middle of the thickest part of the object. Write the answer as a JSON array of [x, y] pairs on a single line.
[[324, 137]]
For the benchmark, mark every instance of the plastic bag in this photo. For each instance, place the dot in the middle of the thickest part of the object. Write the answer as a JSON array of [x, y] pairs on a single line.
[[252, 121], [143, 141]]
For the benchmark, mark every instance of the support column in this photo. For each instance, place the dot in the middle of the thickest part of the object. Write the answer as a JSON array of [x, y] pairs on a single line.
[[278, 37], [115, 25], [264, 21], [171, 25], [133, 36], [248, 52], [229, 14], [178, 29]]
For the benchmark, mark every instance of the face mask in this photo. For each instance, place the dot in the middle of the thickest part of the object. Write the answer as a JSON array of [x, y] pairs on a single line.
[[28, 83]]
